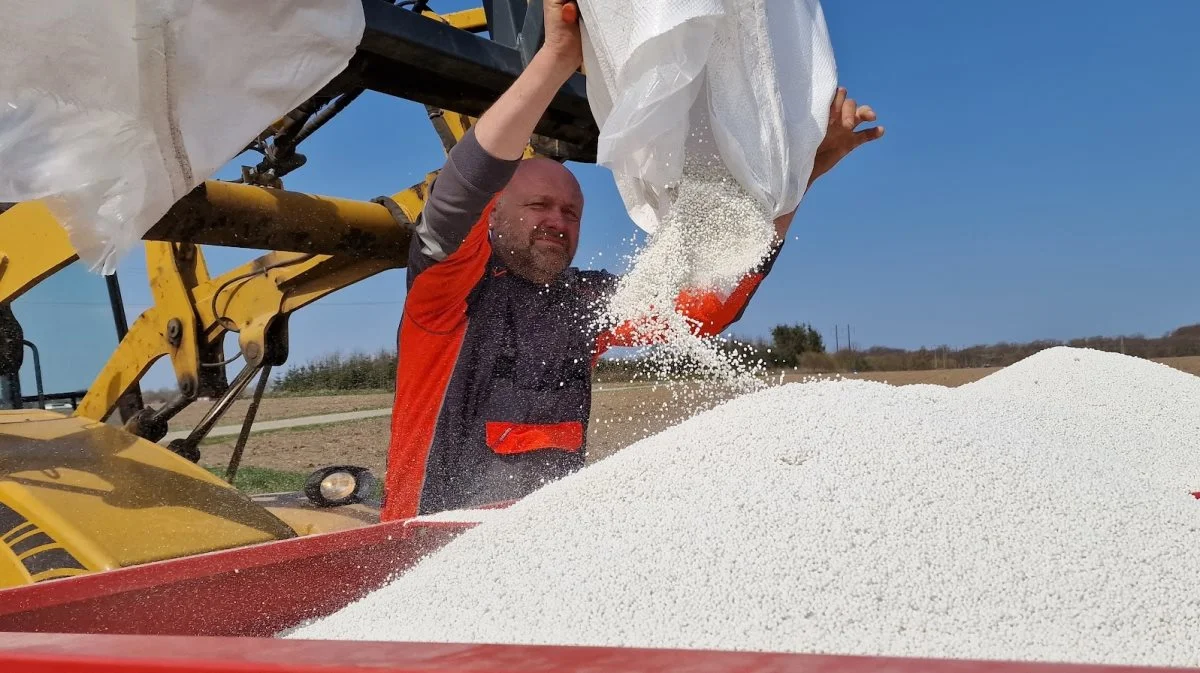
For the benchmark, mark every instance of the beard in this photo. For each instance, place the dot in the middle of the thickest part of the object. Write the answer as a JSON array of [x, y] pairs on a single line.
[[549, 256], [534, 259], [543, 262]]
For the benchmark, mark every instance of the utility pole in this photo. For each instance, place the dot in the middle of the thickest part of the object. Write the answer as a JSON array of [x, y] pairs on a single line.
[[837, 344], [849, 345]]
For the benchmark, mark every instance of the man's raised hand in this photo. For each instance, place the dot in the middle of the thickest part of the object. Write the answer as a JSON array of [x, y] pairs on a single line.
[[562, 32], [842, 136]]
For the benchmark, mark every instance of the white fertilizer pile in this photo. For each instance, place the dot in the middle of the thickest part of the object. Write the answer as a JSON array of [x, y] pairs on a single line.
[[1042, 513]]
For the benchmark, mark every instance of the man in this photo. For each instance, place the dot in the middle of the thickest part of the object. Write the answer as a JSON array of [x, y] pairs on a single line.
[[497, 342]]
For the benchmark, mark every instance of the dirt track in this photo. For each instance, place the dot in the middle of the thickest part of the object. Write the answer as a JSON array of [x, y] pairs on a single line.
[[620, 416]]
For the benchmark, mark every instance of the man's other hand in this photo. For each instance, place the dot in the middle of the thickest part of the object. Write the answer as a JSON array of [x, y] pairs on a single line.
[[562, 33], [842, 136]]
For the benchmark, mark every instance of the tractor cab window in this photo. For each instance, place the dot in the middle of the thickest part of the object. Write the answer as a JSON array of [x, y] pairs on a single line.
[[55, 339]]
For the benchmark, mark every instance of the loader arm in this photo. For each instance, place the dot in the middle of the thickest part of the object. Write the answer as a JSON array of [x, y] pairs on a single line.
[[33, 247], [326, 244], [183, 324]]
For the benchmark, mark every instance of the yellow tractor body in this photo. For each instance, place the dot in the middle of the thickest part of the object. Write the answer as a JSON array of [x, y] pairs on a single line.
[[78, 496]]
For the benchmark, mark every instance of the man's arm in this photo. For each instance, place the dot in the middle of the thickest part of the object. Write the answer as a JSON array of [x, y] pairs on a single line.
[[504, 130], [483, 162], [446, 243], [468, 180]]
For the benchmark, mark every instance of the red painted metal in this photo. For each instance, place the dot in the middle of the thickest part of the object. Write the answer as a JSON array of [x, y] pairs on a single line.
[[256, 590], [179, 607], [46, 653]]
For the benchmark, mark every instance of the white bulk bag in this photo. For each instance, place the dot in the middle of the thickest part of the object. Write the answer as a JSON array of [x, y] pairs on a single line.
[[112, 110], [754, 78]]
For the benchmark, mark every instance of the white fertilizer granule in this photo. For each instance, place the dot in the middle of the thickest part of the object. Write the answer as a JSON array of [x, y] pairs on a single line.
[[714, 234], [461, 516], [1042, 513]]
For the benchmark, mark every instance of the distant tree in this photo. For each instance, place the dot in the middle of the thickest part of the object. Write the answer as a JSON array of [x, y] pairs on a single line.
[[791, 341], [798, 345], [334, 372], [816, 344]]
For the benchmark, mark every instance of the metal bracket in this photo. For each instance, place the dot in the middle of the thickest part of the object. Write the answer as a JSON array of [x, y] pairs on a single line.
[[505, 18], [533, 32]]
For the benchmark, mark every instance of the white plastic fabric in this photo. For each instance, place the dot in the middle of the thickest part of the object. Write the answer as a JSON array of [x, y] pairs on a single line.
[[112, 110], [752, 78]]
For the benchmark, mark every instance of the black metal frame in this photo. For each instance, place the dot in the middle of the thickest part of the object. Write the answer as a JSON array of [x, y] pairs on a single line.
[[517, 24], [505, 18], [40, 398], [418, 58]]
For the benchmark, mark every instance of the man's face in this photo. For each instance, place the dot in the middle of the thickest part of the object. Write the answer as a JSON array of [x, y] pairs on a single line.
[[535, 223]]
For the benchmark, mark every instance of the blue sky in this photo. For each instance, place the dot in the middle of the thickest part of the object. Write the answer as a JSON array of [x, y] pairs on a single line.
[[1038, 180]]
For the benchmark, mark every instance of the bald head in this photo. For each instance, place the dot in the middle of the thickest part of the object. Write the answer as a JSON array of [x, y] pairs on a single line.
[[535, 224], [548, 173]]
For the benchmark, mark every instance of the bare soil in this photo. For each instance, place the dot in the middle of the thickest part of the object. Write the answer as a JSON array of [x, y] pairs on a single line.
[[621, 415], [274, 408], [362, 443]]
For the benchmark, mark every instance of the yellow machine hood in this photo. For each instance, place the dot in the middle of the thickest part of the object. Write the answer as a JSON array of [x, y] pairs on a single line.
[[79, 496]]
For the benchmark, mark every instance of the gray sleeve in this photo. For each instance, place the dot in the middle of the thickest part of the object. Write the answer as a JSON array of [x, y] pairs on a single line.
[[468, 180]]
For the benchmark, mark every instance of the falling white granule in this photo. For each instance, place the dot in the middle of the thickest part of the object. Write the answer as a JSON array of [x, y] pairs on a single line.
[[460, 516], [1042, 513], [713, 236]]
